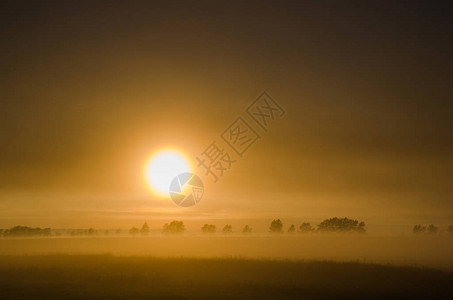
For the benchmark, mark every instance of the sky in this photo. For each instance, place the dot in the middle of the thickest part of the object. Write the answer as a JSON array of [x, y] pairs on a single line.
[[89, 89]]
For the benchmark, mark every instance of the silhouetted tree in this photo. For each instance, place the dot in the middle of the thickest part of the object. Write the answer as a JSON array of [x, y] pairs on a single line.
[[145, 229], [134, 231], [247, 229], [419, 229], [208, 228], [432, 229], [26, 231], [292, 229], [276, 226], [341, 225], [79, 232], [305, 228], [227, 229], [450, 229], [174, 227]]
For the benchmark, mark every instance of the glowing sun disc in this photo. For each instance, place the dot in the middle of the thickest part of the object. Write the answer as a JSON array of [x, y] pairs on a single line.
[[162, 167]]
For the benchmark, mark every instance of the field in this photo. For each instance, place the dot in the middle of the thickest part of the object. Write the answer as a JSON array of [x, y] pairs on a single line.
[[116, 277], [420, 251], [227, 267]]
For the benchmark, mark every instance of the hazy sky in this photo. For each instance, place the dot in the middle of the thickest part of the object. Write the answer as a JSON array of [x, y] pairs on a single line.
[[90, 89]]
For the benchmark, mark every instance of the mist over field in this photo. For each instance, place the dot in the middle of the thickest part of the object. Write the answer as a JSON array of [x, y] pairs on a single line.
[[196, 266], [429, 251]]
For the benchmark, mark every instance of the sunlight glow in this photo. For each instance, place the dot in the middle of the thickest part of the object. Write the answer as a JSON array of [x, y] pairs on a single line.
[[162, 167]]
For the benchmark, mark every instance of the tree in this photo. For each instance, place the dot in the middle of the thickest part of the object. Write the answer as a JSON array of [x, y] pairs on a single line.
[[227, 229], [47, 232], [145, 229], [419, 229], [450, 229], [26, 231], [247, 229], [134, 231], [276, 226], [208, 228], [432, 229], [174, 227], [341, 225], [90, 231], [305, 228], [292, 229]]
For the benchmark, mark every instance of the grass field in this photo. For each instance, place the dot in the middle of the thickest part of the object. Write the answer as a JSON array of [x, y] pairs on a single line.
[[135, 277], [431, 252]]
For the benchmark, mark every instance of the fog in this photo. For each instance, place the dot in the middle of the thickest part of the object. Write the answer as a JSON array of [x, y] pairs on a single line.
[[425, 251]]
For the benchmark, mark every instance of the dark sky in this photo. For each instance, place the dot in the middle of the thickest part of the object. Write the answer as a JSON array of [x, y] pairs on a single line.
[[90, 88]]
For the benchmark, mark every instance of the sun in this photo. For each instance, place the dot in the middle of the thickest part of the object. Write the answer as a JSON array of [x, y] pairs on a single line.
[[162, 167]]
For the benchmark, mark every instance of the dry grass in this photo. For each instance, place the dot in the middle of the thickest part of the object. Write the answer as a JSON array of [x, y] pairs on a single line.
[[114, 277]]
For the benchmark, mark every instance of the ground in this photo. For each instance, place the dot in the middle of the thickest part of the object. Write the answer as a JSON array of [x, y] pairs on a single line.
[[136, 277]]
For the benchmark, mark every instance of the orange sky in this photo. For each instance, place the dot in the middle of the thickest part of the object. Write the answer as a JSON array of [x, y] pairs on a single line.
[[90, 90]]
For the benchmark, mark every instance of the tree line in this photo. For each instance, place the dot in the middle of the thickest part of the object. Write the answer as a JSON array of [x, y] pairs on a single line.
[[429, 229], [332, 225], [25, 231], [328, 225], [338, 225], [276, 226]]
